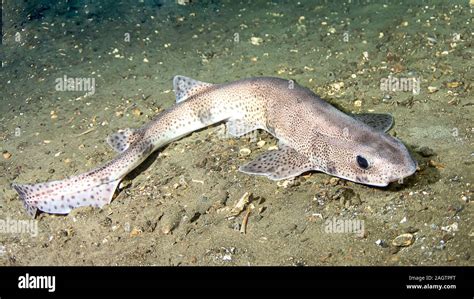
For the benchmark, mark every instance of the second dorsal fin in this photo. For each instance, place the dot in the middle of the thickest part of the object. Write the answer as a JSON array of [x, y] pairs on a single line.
[[121, 140]]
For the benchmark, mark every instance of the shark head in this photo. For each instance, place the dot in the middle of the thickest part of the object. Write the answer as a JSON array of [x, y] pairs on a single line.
[[366, 156]]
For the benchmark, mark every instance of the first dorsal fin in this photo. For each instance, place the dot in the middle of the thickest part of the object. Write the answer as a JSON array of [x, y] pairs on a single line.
[[185, 87], [379, 121]]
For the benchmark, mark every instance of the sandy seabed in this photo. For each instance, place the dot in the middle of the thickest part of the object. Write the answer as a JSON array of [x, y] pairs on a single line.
[[174, 209]]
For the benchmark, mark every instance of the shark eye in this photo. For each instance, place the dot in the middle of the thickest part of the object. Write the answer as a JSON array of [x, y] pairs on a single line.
[[362, 162]]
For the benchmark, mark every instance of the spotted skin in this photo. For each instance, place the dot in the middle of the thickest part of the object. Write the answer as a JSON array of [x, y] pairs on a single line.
[[279, 164], [313, 136], [381, 122], [121, 140]]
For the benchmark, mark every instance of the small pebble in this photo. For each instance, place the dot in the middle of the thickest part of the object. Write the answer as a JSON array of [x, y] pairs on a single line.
[[403, 240], [365, 55], [441, 245], [337, 86], [171, 220], [425, 151], [227, 257], [53, 114], [381, 243], [286, 183], [135, 232], [245, 151], [137, 112], [432, 40], [387, 98], [453, 84], [450, 228], [256, 41], [447, 237], [6, 155], [466, 256]]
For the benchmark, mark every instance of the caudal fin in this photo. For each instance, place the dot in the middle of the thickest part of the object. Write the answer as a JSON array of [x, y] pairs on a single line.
[[60, 197]]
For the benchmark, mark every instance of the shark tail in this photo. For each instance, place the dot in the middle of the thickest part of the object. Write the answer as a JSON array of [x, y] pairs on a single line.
[[60, 197]]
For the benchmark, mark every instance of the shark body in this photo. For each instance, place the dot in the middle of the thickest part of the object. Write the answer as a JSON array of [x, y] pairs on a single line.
[[312, 134]]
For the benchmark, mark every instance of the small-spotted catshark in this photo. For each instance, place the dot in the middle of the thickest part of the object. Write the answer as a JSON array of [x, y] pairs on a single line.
[[312, 134]]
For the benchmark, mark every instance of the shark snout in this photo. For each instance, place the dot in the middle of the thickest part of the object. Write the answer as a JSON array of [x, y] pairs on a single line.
[[409, 168], [412, 164], [404, 164]]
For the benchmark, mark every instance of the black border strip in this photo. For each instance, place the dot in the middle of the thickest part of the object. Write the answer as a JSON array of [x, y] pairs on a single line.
[[140, 282]]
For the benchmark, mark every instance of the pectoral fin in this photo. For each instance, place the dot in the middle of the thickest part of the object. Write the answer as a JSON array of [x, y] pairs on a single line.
[[278, 164], [378, 121]]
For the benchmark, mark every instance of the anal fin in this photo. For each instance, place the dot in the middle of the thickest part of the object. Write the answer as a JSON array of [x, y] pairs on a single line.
[[278, 164]]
